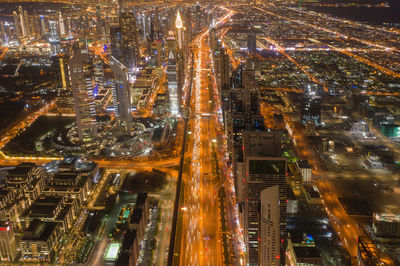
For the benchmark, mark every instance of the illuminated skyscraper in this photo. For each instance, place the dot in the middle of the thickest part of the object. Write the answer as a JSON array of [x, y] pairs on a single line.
[[180, 59], [26, 23], [251, 42], [42, 25], [172, 84], [129, 38], [116, 42], [22, 21], [81, 76], [17, 27], [61, 24], [8, 249], [262, 168], [121, 93], [269, 224]]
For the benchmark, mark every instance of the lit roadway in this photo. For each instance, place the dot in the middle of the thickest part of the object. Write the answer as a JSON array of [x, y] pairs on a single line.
[[200, 241]]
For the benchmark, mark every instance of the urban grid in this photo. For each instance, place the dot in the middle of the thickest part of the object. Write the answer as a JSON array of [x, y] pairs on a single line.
[[172, 132]]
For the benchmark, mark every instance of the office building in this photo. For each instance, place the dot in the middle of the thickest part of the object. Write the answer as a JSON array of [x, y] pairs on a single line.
[[61, 25], [386, 225], [26, 179], [8, 248], [172, 85], [129, 39], [116, 42], [180, 60], [269, 224], [224, 69], [251, 42], [81, 78], [121, 93], [17, 26], [22, 21], [38, 241], [262, 167], [311, 111]]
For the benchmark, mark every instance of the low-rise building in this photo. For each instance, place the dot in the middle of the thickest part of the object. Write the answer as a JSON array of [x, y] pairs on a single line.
[[386, 225], [38, 242]]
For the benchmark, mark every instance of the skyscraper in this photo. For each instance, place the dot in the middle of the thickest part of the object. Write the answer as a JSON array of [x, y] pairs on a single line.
[[251, 42], [81, 75], [180, 59], [172, 84], [269, 227], [121, 93], [224, 69], [116, 43], [42, 25], [22, 21], [26, 22], [263, 168], [129, 39], [8, 249], [17, 27], [61, 24]]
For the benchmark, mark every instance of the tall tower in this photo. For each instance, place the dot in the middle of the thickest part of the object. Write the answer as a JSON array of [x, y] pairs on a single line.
[[21, 21], [42, 25], [61, 24], [251, 42], [172, 84], [180, 59], [263, 168], [26, 22], [17, 26], [8, 249], [129, 35], [269, 227], [179, 28], [81, 75], [121, 93]]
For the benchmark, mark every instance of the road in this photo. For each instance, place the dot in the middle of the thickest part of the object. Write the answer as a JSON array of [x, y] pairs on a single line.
[[201, 236]]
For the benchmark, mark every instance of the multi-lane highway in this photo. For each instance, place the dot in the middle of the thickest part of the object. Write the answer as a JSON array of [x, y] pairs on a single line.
[[200, 237]]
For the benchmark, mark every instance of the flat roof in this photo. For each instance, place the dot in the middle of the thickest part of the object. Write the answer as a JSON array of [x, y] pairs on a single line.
[[306, 252], [39, 231], [387, 217], [112, 251]]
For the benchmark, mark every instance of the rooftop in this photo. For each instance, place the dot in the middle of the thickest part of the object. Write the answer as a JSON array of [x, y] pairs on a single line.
[[39, 231], [306, 252], [387, 217]]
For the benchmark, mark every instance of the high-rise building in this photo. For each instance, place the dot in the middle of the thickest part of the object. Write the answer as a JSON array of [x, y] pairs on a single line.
[[269, 227], [8, 249], [262, 168], [42, 25], [98, 74], [251, 42], [61, 25], [22, 21], [98, 21], [129, 39], [17, 26], [311, 110], [172, 84], [121, 93], [81, 77], [26, 21], [224, 69], [116, 43], [64, 72], [180, 60]]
